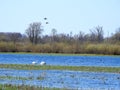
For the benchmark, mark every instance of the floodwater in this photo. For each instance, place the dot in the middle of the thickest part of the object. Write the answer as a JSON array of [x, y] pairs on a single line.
[[63, 79], [112, 61]]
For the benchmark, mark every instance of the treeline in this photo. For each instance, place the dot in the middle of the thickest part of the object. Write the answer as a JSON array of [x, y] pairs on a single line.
[[93, 42]]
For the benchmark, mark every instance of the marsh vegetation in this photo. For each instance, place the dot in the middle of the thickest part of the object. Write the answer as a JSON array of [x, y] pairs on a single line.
[[93, 42], [51, 67]]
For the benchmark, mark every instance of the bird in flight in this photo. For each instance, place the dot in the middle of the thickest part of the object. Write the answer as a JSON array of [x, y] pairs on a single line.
[[45, 18]]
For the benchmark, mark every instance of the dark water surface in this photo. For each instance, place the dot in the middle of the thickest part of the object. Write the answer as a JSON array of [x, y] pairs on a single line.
[[60, 60]]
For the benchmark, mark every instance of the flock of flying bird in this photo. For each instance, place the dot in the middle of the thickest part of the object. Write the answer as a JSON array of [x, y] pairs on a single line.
[[46, 20]]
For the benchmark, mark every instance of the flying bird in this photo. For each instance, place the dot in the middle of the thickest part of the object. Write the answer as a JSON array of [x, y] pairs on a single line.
[[46, 22], [45, 18]]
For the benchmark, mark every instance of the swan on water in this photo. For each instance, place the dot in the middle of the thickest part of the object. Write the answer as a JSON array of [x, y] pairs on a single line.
[[34, 62], [42, 63]]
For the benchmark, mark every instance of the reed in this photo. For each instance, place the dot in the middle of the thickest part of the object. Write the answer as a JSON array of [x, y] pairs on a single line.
[[65, 48]]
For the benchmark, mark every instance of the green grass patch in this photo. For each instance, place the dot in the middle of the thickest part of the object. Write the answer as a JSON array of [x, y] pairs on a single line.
[[12, 78], [49, 67], [21, 78], [26, 87]]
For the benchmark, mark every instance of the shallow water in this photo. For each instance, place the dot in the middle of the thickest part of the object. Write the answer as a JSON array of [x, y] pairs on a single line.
[[60, 60], [63, 79]]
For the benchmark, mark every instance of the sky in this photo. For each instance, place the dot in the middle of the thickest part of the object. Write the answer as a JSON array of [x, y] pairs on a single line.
[[64, 15]]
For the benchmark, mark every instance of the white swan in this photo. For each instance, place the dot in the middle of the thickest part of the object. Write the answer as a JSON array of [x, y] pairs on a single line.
[[34, 62], [42, 63]]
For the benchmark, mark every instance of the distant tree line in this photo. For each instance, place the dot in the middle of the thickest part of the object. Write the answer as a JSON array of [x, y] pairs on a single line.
[[93, 42]]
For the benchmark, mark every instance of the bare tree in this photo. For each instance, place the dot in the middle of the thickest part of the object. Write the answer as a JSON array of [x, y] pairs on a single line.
[[81, 36], [116, 36], [97, 34], [54, 33], [14, 37], [34, 32]]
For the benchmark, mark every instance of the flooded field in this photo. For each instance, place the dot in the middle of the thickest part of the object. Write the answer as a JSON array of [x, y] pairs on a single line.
[[60, 60], [60, 79]]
